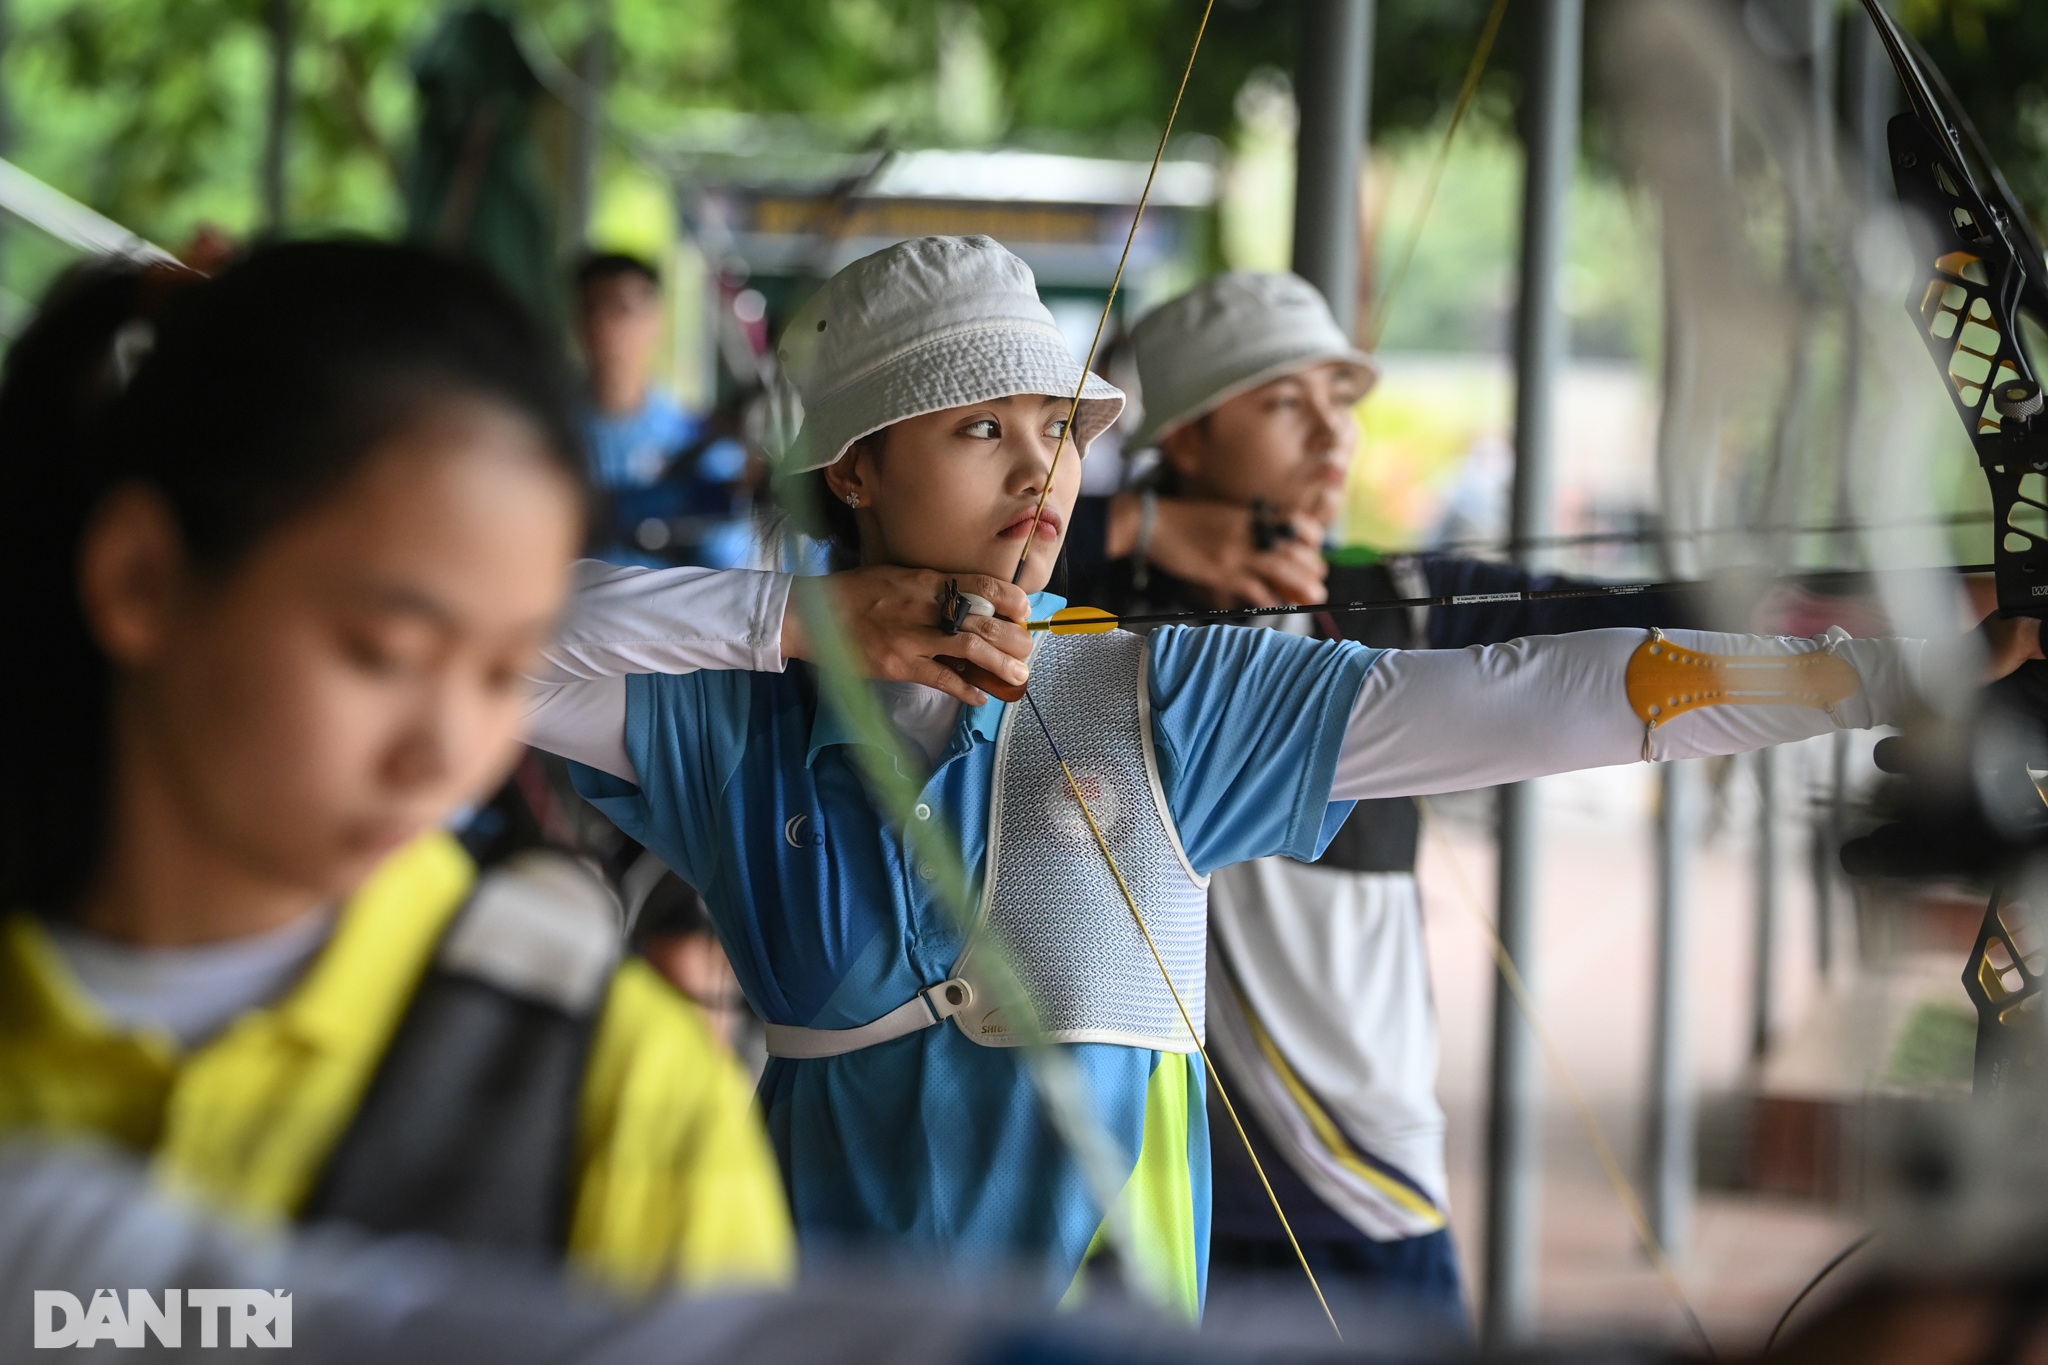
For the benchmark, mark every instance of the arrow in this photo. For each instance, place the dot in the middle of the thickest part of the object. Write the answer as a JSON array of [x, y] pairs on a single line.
[[1096, 621]]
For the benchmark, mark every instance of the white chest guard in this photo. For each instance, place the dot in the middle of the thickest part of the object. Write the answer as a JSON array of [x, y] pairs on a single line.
[[1050, 897]]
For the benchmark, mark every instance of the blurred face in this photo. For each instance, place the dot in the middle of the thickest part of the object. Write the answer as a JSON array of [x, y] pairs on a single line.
[[955, 490], [621, 325], [357, 675], [1288, 443]]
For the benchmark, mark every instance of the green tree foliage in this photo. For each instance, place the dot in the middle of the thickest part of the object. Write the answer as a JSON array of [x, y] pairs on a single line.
[[152, 110]]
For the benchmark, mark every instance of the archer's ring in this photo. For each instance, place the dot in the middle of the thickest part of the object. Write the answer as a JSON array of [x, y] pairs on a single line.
[[956, 606]]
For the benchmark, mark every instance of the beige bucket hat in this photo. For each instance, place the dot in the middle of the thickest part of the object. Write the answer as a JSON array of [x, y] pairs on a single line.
[[927, 324], [1227, 335]]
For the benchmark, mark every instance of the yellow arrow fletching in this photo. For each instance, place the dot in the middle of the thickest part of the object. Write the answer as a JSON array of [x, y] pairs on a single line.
[[1078, 621]]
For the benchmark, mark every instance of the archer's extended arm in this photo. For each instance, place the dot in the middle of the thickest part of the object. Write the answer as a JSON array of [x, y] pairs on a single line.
[[1429, 721], [625, 621]]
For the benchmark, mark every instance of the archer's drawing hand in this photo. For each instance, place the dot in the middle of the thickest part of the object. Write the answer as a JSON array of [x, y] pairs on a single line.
[[891, 618], [1212, 545]]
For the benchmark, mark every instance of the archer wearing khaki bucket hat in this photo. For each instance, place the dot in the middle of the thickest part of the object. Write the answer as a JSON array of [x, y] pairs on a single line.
[[1319, 1011]]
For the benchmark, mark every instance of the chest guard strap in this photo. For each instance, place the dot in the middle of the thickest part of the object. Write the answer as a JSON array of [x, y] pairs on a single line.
[[1049, 897], [468, 1130]]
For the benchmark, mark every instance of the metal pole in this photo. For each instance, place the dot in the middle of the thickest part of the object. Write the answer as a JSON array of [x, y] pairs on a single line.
[[1831, 831], [1514, 1151], [282, 21], [1823, 848], [1873, 95], [1550, 123], [1668, 1144], [1333, 89], [1823, 20], [1764, 946], [593, 70], [1763, 972]]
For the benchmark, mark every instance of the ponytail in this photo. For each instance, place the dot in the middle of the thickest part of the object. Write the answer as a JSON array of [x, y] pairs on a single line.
[[243, 401], [59, 381]]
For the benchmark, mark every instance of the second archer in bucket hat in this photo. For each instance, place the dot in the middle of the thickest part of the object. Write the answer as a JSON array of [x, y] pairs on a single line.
[[936, 390], [1320, 1008]]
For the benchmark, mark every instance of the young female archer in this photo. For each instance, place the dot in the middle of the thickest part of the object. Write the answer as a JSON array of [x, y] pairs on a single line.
[[937, 391]]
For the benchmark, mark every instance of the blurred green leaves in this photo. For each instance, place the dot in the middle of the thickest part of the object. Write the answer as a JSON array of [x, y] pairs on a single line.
[[152, 110]]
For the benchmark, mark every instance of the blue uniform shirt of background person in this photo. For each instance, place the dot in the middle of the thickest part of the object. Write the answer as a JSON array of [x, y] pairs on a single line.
[[631, 450], [750, 790], [629, 455]]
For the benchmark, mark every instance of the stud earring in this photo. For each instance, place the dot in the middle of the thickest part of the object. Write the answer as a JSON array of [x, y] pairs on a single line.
[[853, 500]]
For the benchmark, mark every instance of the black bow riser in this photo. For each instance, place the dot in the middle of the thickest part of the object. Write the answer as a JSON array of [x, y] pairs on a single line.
[[1981, 273], [1975, 283]]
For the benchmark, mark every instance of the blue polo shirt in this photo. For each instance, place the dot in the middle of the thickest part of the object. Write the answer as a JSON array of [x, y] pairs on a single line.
[[631, 451], [750, 790]]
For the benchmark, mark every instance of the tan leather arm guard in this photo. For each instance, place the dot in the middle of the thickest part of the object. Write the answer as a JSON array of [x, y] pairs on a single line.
[[1665, 681]]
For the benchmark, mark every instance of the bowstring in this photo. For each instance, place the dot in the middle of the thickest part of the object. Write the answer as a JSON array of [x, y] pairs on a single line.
[[1115, 283], [1180, 1004], [1031, 537]]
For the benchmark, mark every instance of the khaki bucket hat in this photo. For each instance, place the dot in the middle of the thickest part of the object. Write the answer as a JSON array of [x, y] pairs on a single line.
[[1227, 335], [927, 324]]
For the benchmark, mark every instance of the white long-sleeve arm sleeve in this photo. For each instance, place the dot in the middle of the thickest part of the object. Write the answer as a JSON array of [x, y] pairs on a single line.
[[1438, 720], [629, 620]]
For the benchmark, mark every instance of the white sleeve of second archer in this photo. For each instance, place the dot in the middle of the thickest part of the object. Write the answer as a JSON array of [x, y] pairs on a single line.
[[632, 620], [1438, 720]]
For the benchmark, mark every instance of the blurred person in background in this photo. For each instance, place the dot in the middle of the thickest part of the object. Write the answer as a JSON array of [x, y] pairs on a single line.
[[674, 485], [278, 550], [673, 930]]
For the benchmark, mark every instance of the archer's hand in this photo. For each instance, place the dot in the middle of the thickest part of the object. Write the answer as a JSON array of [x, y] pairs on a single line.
[[1211, 545], [891, 618], [2011, 640]]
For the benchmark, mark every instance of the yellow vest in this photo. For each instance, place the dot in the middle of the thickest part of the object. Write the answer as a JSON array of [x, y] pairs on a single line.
[[675, 1180]]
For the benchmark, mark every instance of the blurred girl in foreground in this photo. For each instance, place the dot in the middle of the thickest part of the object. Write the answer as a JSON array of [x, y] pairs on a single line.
[[278, 548]]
